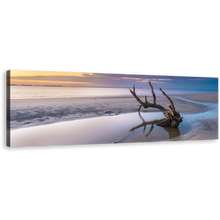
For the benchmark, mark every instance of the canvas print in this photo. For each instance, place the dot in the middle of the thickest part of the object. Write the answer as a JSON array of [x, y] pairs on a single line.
[[46, 108]]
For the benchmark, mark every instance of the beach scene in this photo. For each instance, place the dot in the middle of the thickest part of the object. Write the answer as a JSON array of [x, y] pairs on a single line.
[[47, 108]]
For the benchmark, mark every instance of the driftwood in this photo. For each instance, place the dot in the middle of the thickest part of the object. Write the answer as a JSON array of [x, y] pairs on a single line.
[[172, 117]]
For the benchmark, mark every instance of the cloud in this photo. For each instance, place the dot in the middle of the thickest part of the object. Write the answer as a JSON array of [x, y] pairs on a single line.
[[144, 80], [166, 79], [30, 73], [87, 74], [157, 81], [46, 82], [95, 79], [53, 78], [200, 79]]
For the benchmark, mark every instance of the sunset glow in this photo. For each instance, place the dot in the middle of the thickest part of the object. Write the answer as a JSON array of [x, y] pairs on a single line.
[[46, 82], [26, 77], [110, 80], [28, 73]]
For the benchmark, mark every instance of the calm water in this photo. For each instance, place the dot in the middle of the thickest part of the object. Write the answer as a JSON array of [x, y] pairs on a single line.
[[128, 128], [31, 92]]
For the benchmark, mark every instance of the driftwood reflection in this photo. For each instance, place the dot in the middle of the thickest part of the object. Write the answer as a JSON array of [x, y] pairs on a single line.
[[172, 131]]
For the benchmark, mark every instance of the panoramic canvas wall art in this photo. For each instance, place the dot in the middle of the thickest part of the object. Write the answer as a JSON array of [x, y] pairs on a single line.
[[46, 108]]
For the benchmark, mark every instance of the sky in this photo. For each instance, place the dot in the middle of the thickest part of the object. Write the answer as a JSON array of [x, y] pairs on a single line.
[[25, 77]]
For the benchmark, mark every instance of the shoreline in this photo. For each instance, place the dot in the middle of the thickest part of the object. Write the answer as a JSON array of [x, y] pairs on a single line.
[[195, 97], [203, 129], [35, 112], [203, 97], [99, 130], [203, 117], [205, 124]]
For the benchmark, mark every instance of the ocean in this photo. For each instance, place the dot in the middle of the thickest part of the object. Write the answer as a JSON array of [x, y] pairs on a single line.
[[39, 92]]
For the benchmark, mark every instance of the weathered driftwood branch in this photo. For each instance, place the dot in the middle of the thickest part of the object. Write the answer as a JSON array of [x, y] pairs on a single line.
[[171, 105], [152, 90], [173, 117]]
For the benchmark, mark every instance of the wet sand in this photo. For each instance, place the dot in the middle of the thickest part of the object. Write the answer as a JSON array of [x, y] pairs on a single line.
[[210, 97], [205, 128], [34, 112], [203, 119]]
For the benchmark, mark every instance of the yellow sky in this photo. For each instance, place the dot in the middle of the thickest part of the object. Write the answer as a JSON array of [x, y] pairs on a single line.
[[22, 77], [46, 82], [17, 73]]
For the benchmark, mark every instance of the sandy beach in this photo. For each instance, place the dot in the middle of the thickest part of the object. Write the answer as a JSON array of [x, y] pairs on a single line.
[[34, 112], [211, 97], [74, 121], [205, 126]]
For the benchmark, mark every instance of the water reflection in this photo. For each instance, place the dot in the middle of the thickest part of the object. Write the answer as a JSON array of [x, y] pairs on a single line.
[[173, 132]]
